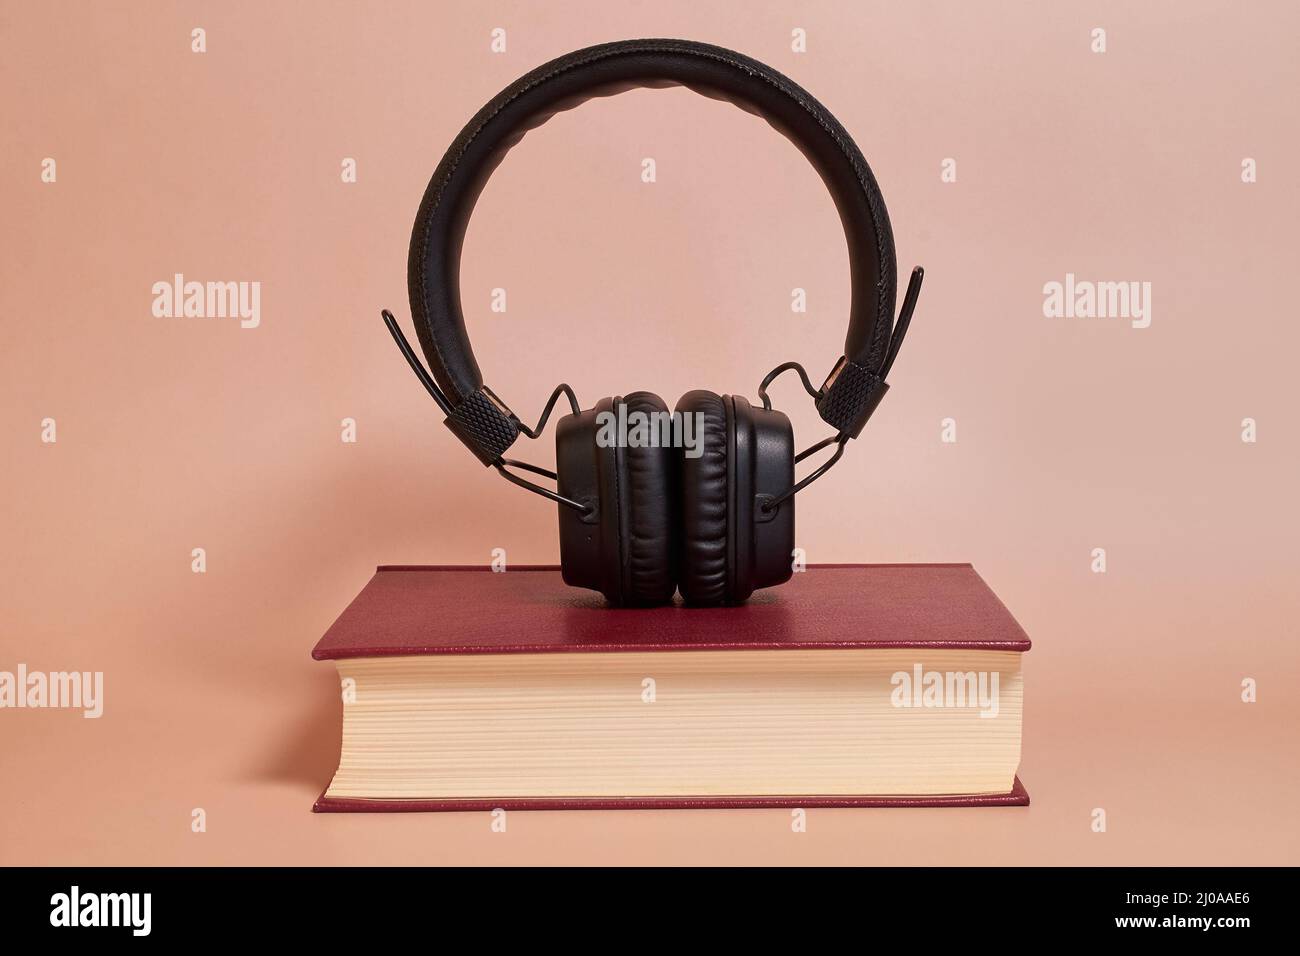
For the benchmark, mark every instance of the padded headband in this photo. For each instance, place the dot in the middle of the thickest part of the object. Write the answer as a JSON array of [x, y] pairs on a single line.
[[439, 232]]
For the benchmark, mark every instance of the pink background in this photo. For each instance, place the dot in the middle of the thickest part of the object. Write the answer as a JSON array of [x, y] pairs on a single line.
[[1073, 434]]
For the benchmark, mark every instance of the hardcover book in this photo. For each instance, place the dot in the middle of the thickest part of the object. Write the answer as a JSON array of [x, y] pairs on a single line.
[[852, 686]]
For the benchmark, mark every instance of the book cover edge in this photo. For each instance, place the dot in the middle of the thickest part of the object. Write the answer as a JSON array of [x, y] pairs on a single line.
[[1017, 796], [1016, 645]]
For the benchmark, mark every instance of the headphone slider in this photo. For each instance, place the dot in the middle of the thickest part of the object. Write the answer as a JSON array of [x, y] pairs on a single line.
[[484, 424], [850, 396]]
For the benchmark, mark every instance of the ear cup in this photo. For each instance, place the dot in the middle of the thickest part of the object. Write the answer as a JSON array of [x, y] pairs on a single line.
[[702, 569], [646, 512], [625, 545]]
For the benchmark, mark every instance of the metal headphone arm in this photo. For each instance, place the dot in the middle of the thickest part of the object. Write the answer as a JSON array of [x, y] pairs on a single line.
[[840, 439], [501, 464]]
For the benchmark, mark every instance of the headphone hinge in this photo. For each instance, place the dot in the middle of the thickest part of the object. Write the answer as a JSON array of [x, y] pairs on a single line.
[[484, 424], [850, 396]]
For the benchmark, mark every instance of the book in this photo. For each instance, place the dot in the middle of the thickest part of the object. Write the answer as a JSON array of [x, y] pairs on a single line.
[[853, 685]]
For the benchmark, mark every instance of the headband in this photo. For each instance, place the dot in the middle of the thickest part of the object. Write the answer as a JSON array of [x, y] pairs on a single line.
[[474, 413]]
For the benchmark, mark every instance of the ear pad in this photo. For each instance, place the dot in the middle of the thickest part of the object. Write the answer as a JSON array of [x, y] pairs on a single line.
[[730, 546], [614, 460], [646, 491], [703, 577]]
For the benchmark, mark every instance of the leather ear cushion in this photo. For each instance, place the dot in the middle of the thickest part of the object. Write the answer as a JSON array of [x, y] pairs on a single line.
[[647, 509], [702, 570]]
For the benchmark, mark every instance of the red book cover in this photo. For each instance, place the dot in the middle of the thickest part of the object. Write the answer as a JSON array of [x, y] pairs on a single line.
[[421, 610]]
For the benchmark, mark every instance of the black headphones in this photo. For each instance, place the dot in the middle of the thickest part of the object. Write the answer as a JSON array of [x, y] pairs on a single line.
[[641, 518]]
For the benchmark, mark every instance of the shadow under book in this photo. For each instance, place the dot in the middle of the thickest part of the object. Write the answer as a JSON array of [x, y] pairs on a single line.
[[853, 686]]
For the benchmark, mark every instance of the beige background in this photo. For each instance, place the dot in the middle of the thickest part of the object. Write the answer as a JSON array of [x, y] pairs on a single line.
[[1072, 434]]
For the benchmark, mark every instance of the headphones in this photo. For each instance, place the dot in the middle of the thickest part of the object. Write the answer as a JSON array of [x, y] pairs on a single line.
[[640, 516]]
